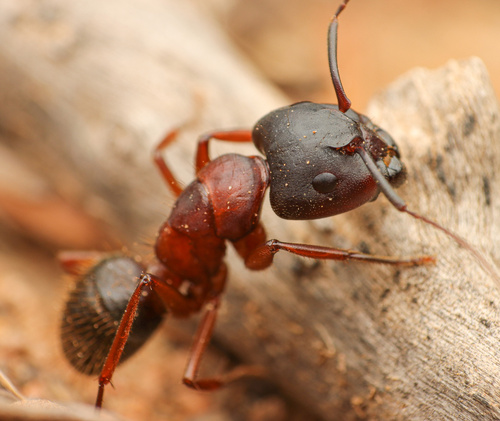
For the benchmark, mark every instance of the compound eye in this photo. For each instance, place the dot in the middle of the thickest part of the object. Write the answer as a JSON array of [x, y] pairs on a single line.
[[324, 182]]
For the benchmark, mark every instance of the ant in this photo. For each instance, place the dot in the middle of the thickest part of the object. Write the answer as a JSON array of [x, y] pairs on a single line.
[[320, 160]]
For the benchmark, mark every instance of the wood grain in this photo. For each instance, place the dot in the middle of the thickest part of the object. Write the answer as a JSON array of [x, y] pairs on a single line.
[[370, 341]]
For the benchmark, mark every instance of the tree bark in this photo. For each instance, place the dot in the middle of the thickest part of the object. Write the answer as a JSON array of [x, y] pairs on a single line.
[[92, 88], [361, 340], [88, 88]]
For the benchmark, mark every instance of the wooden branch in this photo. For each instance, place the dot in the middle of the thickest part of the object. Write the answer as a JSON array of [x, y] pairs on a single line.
[[355, 340], [91, 88], [101, 82]]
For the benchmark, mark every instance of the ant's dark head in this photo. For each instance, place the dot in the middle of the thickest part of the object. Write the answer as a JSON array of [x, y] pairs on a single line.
[[325, 159], [315, 171]]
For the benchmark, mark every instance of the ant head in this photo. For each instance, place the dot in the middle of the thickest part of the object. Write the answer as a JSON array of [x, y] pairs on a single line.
[[315, 171], [326, 159]]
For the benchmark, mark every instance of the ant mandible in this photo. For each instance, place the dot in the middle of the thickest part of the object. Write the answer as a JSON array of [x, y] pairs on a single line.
[[321, 160]]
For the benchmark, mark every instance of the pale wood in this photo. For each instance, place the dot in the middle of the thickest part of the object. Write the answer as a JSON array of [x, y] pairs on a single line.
[[89, 87], [413, 344]]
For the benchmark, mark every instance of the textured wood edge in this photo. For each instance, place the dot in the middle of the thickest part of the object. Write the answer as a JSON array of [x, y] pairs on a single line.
[[370, 341]]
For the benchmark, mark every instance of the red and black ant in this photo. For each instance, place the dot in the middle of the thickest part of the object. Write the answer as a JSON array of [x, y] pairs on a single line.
[[320, 160]]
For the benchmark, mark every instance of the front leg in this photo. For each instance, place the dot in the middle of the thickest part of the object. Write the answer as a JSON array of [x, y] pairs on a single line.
[[262, 256]]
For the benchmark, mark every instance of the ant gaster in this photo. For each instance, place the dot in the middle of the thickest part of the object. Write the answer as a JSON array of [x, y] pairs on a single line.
[[321, 160]]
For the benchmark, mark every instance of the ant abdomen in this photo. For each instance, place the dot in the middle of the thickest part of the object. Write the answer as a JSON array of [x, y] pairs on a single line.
[[94, 309]]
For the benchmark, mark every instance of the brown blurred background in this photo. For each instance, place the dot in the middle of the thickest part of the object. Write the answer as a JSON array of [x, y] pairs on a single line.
[[378, 40]]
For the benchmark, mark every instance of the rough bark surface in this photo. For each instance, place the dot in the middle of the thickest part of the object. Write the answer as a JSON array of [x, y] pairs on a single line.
[[354, 340], [88, 88]]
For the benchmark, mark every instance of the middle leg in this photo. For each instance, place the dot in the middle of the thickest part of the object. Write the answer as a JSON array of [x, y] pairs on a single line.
[[200, 343]]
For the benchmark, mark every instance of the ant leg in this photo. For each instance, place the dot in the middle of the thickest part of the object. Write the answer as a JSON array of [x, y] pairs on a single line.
[[160, 162], [202, 156], [259, 254], [175, 303], [77, 262], [200, 342], [262, 256], [248, 245]]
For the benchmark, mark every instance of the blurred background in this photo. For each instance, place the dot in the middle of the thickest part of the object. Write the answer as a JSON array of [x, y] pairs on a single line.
[[378, 40]]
